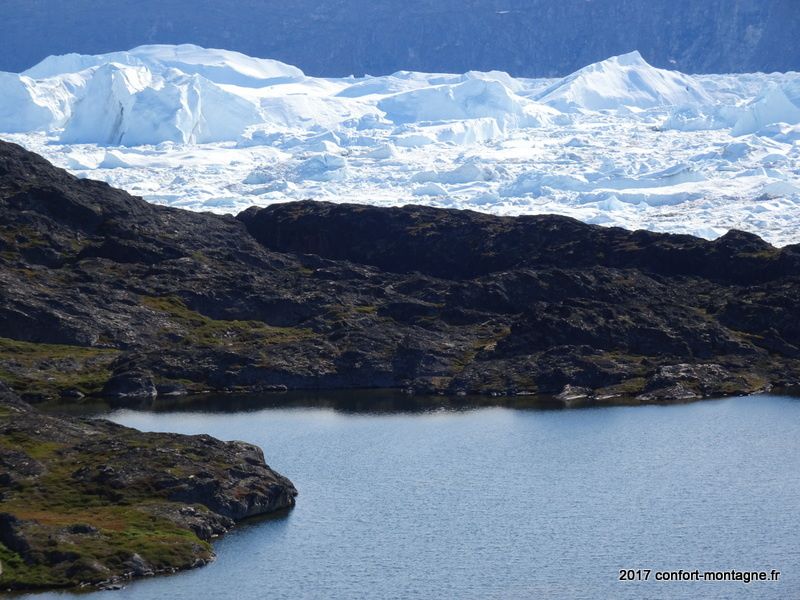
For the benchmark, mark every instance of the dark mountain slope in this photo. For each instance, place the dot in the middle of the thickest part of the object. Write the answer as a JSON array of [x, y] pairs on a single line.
[[101, 292]]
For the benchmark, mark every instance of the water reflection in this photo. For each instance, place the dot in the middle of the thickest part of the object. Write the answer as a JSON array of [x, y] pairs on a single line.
[[345, 401]]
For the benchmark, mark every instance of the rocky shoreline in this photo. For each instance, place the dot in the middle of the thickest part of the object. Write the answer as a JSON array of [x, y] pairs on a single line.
[[91, 503]]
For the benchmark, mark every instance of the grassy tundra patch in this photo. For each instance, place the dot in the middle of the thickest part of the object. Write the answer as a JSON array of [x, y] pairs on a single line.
[[199, 330], [35, 369]]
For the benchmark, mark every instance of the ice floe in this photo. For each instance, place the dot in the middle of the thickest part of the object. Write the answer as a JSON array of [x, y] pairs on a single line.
[[616, 143]]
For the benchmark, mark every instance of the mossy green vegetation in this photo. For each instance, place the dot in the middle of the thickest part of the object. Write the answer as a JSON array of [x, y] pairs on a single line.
[[17, 573], [366, 309], [34, 448], [45, 369], [484, 346], [625, 389], [94, 532], [201, 331], [96, 543], [21, 236]]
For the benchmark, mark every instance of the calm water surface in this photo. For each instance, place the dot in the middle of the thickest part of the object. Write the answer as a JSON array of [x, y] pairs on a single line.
[[502, 503]]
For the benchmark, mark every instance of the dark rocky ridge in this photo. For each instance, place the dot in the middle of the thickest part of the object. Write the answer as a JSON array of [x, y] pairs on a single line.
[[92, 502], [464, 244], [105, 293]]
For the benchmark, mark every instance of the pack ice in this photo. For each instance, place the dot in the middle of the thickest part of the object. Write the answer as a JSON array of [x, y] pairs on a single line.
[[618, 142]]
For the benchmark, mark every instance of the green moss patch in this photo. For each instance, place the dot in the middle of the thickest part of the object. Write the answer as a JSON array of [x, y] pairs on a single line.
[[199, 330], [111, 537], [46, 369], [82, 531], [19, 574], [366, 309]]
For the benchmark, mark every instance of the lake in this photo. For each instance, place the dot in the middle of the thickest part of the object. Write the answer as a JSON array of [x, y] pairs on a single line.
[[506, 503]]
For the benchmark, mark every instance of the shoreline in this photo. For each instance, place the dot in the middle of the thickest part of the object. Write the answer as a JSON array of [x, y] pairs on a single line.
[[371, 401]]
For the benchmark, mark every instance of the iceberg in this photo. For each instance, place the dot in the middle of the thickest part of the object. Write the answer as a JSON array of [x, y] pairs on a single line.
[[623, 81]]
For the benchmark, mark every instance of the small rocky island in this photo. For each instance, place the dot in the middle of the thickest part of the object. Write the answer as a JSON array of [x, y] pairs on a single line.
[[89, 502]]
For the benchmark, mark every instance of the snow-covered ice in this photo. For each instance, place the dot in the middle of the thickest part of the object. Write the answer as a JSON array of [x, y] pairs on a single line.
[[624, 81], [616, 143]]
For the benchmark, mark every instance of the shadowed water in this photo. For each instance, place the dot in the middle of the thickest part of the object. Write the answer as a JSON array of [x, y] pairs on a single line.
[[507, 503]]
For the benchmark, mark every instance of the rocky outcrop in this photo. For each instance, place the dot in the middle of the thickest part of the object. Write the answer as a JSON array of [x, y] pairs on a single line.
[[92, 502], [130, 385], [102, 293], [458, 244]]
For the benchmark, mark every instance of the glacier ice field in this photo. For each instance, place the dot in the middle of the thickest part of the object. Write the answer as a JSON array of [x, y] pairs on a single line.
[[617, 143]]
